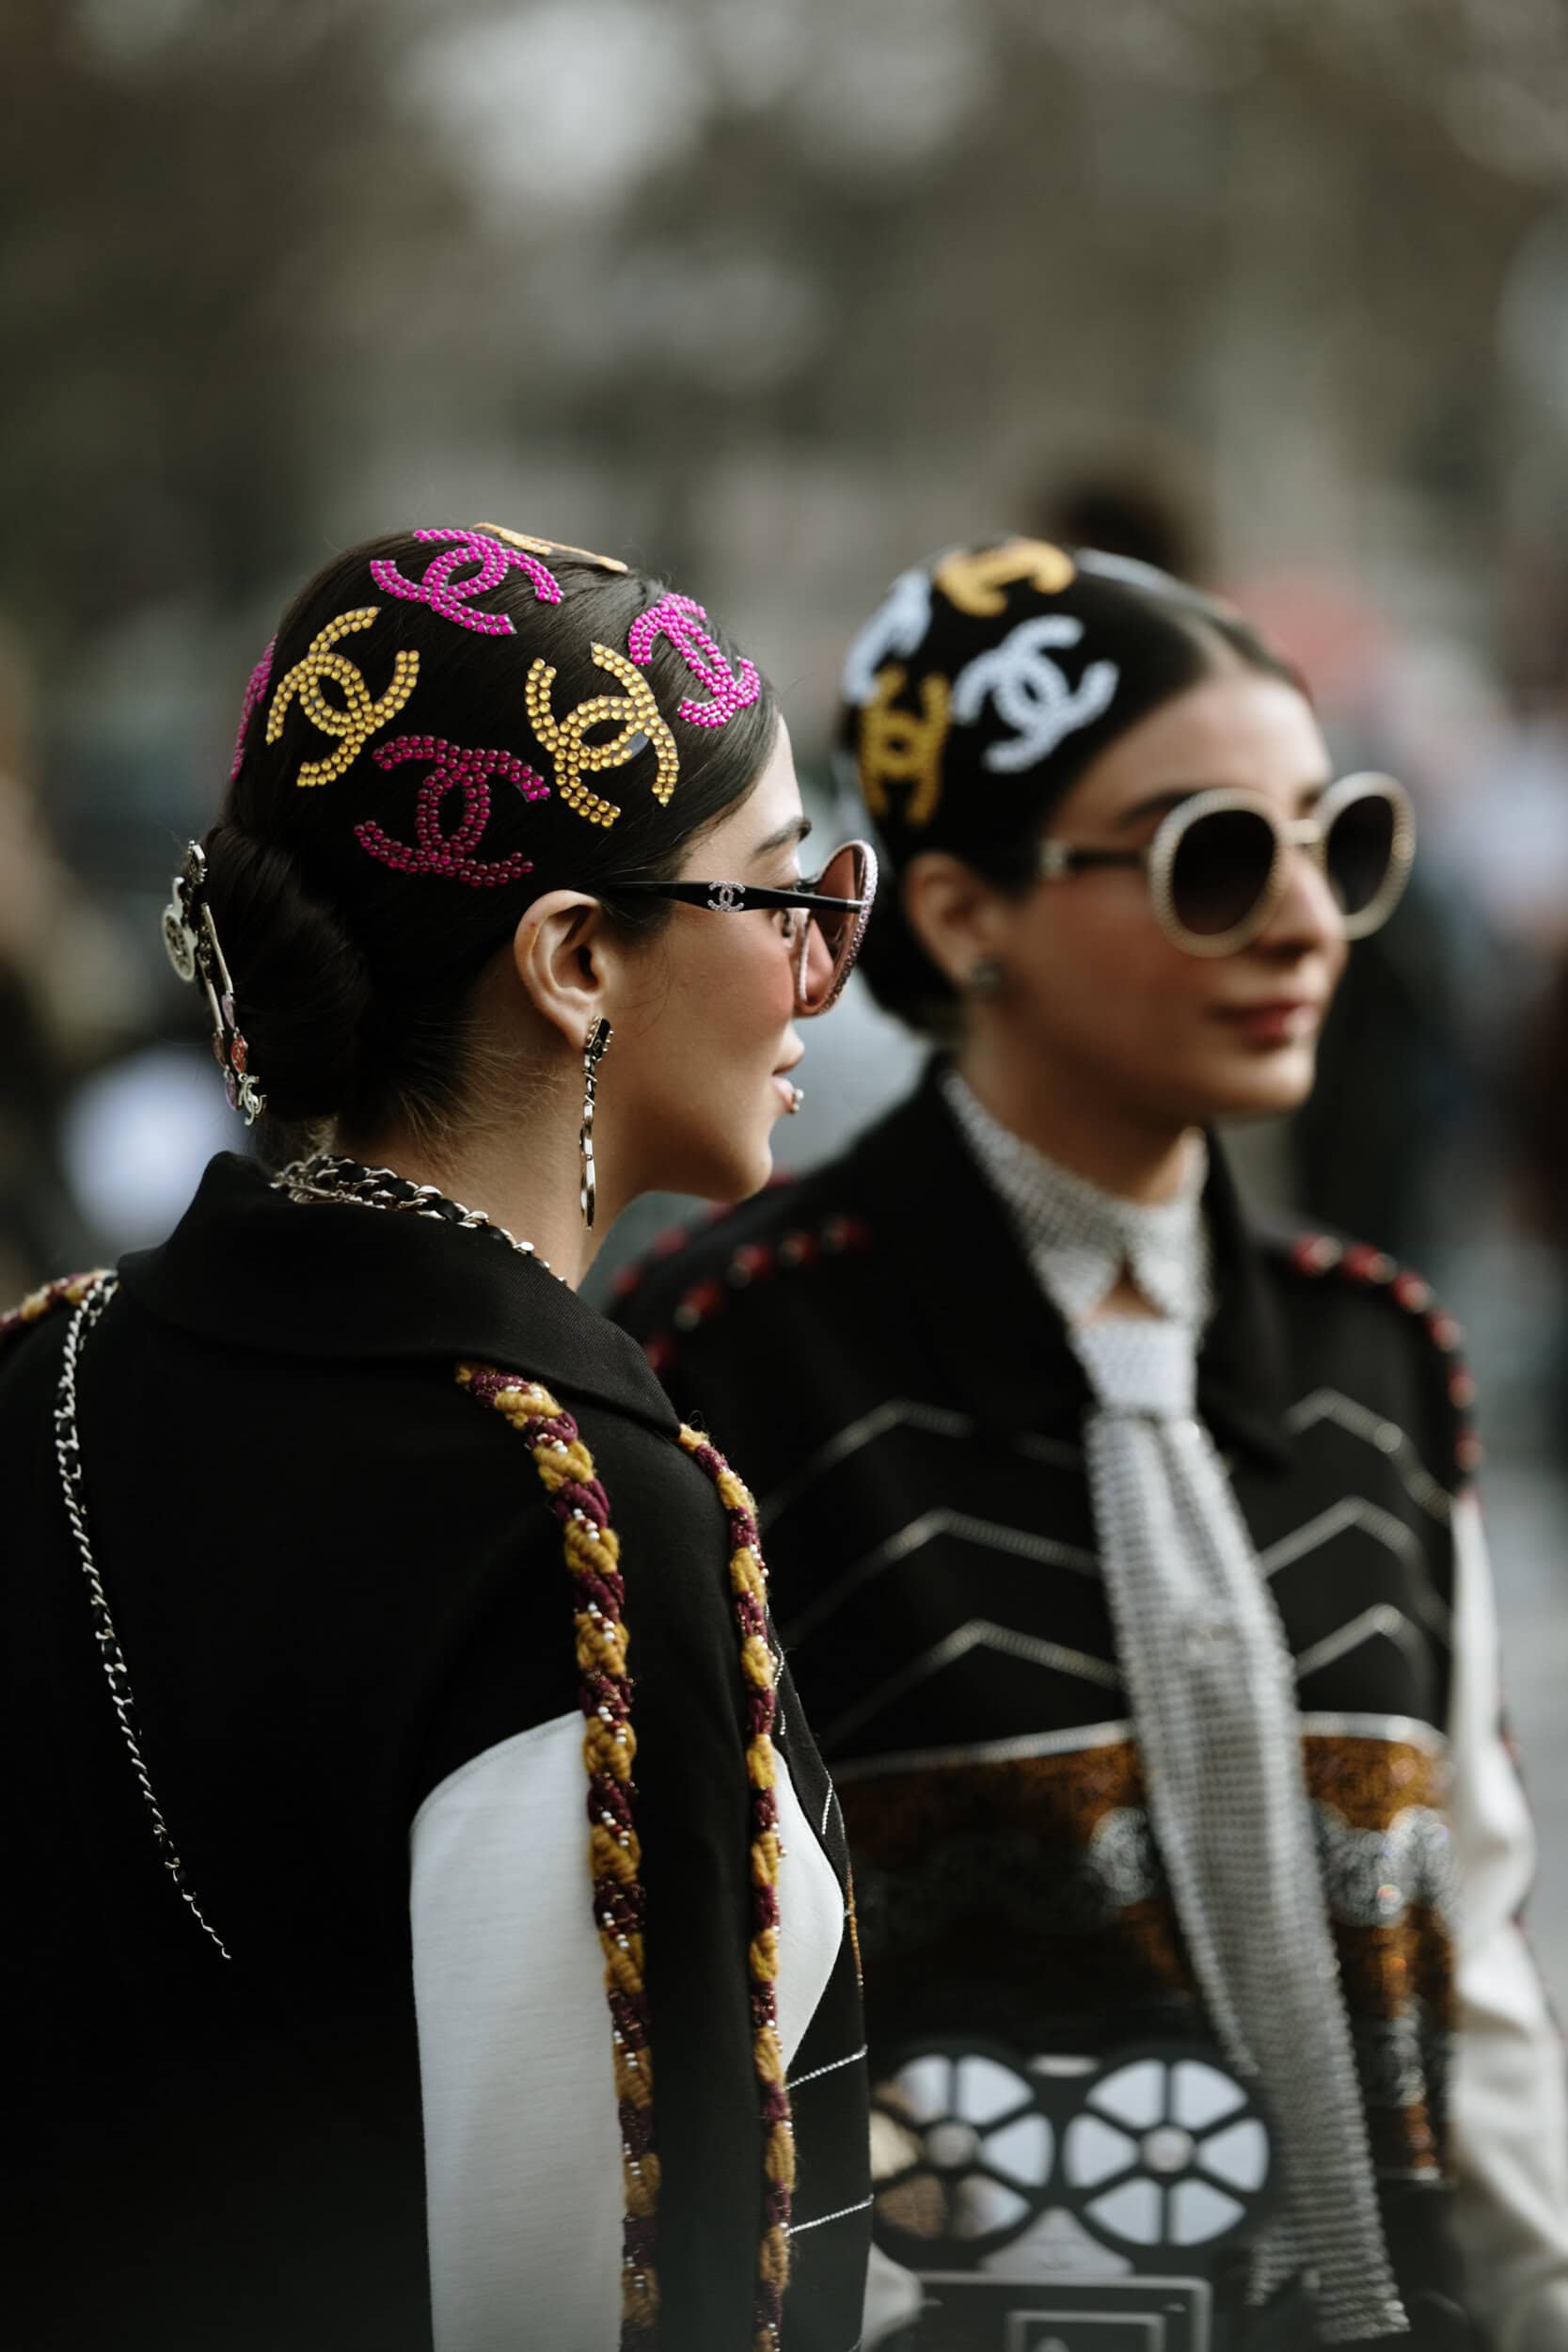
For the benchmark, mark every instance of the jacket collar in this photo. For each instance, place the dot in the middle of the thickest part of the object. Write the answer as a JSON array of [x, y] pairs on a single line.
[[251, 1269], [1000, 1342]]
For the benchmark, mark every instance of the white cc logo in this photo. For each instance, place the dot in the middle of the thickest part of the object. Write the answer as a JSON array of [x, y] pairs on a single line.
[[725, 896], [1031, 691]]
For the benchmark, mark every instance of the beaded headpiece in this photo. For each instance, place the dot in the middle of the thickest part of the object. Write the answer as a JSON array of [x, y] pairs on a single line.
[[988, 678], [191, 938], [350, 698]]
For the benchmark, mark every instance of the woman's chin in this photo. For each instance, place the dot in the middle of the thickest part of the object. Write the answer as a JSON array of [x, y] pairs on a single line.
[[1263, 1085]]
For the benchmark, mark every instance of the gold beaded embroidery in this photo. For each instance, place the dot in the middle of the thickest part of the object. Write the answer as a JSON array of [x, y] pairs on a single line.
[[640, 720], [551, 547], [974, 581], [359, 717], [897, 747]]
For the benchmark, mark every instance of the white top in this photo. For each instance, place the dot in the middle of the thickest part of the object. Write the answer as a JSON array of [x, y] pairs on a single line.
[[522, 2142]]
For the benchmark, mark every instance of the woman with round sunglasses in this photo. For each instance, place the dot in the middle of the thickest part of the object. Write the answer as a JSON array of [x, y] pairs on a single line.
[[432, 1886], [1125, 1548]]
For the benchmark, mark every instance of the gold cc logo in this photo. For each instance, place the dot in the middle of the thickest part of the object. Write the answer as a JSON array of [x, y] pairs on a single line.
[[974, 581]]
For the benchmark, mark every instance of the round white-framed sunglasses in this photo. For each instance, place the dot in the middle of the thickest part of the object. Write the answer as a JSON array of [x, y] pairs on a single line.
[[1219, 864]]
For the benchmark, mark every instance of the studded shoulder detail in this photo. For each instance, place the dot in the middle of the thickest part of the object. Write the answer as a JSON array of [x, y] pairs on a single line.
[[1323, 1256], [747, 1264]]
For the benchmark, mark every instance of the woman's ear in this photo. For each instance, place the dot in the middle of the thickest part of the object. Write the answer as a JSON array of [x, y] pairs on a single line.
[[566, 957], [952, 911]]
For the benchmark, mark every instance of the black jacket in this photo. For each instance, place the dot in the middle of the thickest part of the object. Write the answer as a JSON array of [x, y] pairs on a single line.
[[335, 1579], [873, 1342]]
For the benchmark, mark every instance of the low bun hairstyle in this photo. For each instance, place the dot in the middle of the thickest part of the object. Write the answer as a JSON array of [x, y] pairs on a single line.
[[361, 880], [303, 983], [981, 688]]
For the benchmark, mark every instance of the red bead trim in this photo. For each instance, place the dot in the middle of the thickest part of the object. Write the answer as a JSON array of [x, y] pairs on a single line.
[[1373, 1270], [749, 1264]]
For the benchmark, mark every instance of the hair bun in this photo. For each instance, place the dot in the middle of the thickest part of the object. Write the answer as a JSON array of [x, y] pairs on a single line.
[[302, 990]]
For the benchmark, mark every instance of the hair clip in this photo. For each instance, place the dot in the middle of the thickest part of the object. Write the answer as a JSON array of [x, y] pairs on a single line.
[[454, 599], [552, 546], [680, 619], [453, 770], [358, 718], [253, 694], [191, 938], [642, 724], [973, 578], [1031, 691], [898, 747]]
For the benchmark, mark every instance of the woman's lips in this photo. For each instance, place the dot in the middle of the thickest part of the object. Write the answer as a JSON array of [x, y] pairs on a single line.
[[1284, 1021], [784, 1087]]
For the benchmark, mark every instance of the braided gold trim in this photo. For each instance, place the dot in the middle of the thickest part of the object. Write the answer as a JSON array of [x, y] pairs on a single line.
[[565, 1469], [749, 1585]]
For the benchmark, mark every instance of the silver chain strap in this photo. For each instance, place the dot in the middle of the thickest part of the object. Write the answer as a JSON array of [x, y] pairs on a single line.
[[68, 1451], [328, 1176]]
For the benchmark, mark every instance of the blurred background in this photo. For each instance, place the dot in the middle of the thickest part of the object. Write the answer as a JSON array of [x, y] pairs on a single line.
[[778, 297]]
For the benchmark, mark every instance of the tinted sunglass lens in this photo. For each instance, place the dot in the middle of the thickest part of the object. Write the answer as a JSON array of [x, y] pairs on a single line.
[[1221, 870], [1359, 852], [831, 934]]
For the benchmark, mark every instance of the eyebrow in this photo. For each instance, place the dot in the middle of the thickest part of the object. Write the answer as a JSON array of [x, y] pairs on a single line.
[[1161, 803], [786, 836]]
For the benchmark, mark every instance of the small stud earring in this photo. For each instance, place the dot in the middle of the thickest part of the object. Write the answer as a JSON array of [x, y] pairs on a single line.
[[987, 977], [592, 1054]]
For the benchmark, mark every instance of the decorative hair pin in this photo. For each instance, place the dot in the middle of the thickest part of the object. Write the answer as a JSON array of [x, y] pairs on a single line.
[[552, 546], [453, 855], [358, 717], [454, 599], [681, 619], [192, 939], [641, 722]]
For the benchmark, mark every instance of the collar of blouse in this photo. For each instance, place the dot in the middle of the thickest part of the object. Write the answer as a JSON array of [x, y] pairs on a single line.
[[1001, 1341]]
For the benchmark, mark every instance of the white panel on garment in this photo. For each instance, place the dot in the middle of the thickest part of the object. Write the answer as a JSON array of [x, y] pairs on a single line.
[[522, 2144], [811, 1917]]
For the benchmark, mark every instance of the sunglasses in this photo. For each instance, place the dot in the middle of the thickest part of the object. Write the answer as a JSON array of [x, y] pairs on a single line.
[[836, 905], [1219, 864]]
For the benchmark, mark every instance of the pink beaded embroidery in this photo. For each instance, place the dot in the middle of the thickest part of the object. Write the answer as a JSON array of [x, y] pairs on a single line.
[[454, 599], [253, 694], [455, 769], [680, 619]]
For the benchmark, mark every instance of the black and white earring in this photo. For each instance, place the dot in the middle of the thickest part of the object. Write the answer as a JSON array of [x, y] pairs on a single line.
[[987, 977], [592, 1054]]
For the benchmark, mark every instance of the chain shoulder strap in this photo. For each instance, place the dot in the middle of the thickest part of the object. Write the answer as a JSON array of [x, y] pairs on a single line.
[[88, 1305]]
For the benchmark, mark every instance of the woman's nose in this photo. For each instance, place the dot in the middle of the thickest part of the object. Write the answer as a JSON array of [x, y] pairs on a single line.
[[1308, 914]]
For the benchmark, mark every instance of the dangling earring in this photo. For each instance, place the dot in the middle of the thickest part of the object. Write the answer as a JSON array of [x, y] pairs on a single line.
[[987, 977], [592, 1054]]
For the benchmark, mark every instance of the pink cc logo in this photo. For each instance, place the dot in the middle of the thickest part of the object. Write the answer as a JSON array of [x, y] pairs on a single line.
[[453, 598], [453, 768], [681, 619]]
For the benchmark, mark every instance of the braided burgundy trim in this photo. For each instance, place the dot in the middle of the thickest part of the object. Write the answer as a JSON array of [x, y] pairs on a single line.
[[1367, 1268], [69, 1291], [749, 1584], [592, 1555]]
